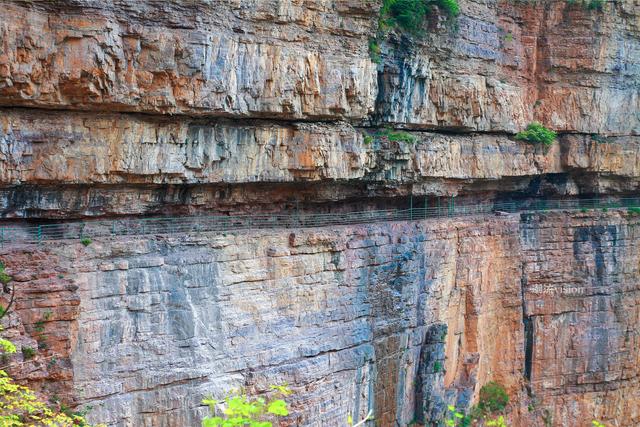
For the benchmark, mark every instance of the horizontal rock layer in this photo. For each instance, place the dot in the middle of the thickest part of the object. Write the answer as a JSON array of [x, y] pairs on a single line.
[[499, 66], [166, 107], [353, 318]]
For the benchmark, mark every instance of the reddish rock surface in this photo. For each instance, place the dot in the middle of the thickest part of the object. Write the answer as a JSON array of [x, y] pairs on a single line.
[[353, 318], [118, 107]]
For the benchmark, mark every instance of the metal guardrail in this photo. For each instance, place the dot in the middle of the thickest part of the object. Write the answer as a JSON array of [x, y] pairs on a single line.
[[196, 224]]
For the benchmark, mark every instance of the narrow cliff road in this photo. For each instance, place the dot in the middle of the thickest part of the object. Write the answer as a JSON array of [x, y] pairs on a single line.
[[28, 233]]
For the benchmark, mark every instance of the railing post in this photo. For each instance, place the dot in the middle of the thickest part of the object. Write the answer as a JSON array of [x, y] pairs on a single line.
[[1, 237], [411, 208], [39, 233], [425, 206]]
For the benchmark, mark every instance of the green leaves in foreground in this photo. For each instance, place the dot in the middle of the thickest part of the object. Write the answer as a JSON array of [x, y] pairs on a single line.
[[242, 410]]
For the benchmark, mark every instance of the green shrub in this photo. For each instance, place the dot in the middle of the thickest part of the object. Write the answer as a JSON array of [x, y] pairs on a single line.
[[85, 241], [634, 211], [584, 210], [450, 7], [400, 137], [374, 50], [493, 397], [28, 352], [407, 14], [4, 277], [535, 133], [243, 410], [396, 136], [595, 4], [437, 366], [410, 14], [367, 139]]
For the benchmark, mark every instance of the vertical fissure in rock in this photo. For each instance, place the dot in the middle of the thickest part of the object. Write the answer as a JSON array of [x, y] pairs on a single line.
[[528, 325]]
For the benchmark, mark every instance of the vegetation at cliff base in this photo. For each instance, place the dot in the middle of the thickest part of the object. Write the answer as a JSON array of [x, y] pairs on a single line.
[[19, 405], [536, 133], [4, 277], [243, 410], [493, 397]]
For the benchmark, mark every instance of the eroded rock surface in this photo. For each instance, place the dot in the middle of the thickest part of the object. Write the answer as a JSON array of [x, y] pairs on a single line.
[[172, 107], [404, 318]]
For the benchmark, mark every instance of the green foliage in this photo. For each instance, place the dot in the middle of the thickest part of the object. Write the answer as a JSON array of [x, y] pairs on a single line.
[[39, 329], [634, 211], [374, 50], [396, 136], [535, 133], [28, 352], [599, 139], [588, 4], [240, 410], [407, 14], [456, 418], [85, 241], [410, 14], [20, 407], [400, 137], [4, 277], [595, 423], [584, 210], [493, 397], [7, 347], [369, 417], [498, 422], [437, 366], [595, 4], [390, 135], [450, 7]]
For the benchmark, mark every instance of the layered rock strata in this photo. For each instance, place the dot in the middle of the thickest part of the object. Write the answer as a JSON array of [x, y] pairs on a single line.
[[402, 318], [169, 107]]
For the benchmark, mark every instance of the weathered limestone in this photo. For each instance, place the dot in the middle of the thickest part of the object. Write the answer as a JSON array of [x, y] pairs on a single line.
[[119, 107], [352, 318], [499, 66], [238, 58], [503, 64]]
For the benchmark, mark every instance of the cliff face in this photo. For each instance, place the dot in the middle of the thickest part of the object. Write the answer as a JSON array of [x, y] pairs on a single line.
[[169, 107], [397, 317], [500, 66]]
